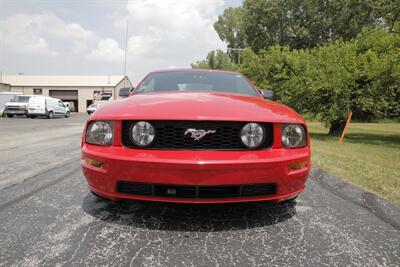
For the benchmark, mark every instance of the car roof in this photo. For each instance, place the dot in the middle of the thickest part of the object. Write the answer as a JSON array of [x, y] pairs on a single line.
[[40, 96], [196, 70]]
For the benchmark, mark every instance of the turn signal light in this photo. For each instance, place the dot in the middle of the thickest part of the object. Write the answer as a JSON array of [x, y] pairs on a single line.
[[94, 163], [298, 165]]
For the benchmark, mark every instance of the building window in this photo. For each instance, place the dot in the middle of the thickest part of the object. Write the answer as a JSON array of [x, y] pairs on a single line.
[[37, 91]]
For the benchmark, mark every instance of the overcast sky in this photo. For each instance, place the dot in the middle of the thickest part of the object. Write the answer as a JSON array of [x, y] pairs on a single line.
[[88, 36]]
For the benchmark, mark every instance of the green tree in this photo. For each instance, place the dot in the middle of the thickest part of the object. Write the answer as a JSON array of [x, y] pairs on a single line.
[[362, 76], [305, 23], [390, 10], [229, 27], [216, 59]]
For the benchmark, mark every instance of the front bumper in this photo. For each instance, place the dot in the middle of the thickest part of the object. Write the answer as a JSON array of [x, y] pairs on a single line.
[[16, 112], [195, 168]]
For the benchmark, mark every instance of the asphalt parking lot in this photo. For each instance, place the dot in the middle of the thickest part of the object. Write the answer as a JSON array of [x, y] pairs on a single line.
[[48, 217]]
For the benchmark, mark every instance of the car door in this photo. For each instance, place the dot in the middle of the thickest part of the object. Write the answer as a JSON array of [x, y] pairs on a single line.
[[61, 108]]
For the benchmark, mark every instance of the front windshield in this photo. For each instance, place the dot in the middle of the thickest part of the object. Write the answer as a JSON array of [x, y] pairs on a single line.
[[196, 81], [22, 99]]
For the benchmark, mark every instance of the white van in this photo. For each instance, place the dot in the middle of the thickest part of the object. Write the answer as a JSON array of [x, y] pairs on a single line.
[[47, 106], [17, 106], [6, 97]]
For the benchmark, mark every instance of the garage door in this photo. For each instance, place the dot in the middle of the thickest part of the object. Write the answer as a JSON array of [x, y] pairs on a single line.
[[64, 94]]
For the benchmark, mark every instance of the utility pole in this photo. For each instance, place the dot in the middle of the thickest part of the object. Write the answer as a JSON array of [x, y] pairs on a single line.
[[236, 50]]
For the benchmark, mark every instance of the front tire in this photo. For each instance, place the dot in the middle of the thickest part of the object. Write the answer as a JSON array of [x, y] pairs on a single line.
[[32, 116], [10, 115], [67, 115], [51, 115]]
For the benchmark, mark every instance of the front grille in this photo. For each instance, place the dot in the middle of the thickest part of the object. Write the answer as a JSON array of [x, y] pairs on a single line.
[[171, 135], [195, 191], [15, 108]]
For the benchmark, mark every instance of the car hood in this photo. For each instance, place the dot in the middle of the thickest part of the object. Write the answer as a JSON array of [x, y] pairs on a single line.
[[197, 106], [16, 104]]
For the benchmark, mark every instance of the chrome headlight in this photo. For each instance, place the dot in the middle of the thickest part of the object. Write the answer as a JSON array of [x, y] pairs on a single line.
[[252, 135], [142, 133], [294, 135], [100, 133]]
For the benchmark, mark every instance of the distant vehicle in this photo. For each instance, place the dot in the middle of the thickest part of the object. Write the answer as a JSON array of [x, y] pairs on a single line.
[[92, 108], [6, 97], [47, 106], [17, 106], [70, 105], [124, 92]]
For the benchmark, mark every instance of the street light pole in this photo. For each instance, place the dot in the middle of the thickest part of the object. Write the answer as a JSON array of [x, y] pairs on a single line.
[[126, 46], [126, 51]]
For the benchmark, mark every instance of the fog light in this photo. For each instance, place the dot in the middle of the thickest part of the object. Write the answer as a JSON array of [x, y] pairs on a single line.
[[94, 163], [298, 165]]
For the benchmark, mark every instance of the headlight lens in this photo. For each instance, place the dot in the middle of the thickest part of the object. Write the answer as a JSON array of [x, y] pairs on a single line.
[[142, 133], [252, 135], [294, 135], [100, 133]]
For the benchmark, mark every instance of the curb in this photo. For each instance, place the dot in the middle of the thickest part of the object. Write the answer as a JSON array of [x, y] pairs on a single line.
[[381, 208]]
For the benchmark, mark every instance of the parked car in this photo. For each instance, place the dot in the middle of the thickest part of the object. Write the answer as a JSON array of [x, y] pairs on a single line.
[[17, 106], [6, 97], [92, 108], [47, 106], [196, 136]]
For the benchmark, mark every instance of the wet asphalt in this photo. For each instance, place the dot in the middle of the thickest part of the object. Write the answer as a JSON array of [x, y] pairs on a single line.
[[49, 218]]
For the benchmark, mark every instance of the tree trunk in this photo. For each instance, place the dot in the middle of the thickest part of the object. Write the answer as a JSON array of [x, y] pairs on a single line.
[[337, 127]]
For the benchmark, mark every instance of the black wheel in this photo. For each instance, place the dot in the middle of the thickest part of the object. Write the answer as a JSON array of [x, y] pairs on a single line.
[[32, 116], [51, 115], [67, 114], [10, 115]]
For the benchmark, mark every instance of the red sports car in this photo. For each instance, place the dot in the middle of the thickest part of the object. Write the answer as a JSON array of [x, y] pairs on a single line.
[[196, 136]]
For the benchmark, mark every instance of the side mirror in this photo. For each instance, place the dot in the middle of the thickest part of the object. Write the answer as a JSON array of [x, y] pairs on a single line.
[[124, 92], [267, 94]]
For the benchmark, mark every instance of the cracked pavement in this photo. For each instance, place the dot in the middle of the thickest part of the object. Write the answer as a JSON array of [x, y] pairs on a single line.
[[49, 218]]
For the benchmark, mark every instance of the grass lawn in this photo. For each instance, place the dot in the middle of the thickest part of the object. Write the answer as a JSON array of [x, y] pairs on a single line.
[[369, 156]]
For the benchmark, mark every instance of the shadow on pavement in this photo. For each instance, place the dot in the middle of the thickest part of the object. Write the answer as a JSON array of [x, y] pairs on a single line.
[[187, 217]]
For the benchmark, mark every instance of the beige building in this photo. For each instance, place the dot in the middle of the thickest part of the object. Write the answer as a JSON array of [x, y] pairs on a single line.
[[4, 87], [82, 90]]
